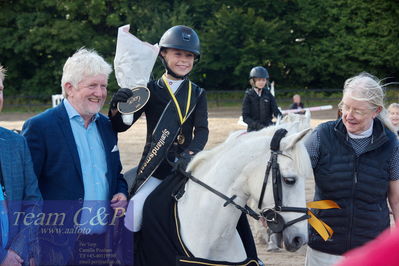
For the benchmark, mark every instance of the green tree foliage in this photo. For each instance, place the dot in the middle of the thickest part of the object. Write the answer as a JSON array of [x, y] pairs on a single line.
[[303, 43], [38, 36], [342, 38], [239, 38]]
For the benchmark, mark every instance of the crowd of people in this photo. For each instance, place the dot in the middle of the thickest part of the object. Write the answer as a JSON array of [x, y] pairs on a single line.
[[70, 153]]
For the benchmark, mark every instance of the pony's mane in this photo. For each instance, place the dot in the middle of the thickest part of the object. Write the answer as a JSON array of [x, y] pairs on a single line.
[[302, 119]]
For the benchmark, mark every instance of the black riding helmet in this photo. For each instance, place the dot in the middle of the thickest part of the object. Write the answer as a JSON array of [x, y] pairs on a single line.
[[182, 38], [258, 72]]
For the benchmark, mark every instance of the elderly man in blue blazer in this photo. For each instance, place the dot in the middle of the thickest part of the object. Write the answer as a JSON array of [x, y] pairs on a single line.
[[19, 195], [73, 146]]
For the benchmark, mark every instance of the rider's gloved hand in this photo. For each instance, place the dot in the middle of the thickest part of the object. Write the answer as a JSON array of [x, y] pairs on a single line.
[[259, 126], [183, 160], [122, 95]]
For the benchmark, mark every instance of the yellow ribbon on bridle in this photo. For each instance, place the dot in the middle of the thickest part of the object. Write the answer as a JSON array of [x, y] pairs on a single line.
[[321, 227]]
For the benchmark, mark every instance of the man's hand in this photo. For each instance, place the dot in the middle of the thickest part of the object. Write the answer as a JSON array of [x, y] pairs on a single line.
[[119, 201], [122, 95], [12, 258]]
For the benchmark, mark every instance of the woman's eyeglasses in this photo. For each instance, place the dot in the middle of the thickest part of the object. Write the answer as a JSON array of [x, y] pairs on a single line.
[[355, 111]]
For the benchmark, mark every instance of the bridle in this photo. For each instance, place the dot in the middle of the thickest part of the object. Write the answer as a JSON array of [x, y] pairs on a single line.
[[274, 219]]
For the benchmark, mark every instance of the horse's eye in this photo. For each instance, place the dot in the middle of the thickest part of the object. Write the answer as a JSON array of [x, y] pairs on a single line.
[[289, 180]]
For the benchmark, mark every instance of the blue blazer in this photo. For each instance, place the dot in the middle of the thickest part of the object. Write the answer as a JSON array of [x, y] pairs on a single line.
[[56, 159], [22, 194]]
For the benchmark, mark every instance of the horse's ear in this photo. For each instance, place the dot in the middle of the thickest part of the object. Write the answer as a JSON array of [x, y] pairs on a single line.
[[289, 141], [279, 120], [307, 115]]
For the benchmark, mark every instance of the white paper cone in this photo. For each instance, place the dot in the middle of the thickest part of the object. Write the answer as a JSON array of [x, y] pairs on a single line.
[[134, 61]]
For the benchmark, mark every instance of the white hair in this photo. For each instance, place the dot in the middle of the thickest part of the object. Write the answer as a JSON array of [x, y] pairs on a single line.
[[366, 87], [393, 105], [81, 64], [2, 73]]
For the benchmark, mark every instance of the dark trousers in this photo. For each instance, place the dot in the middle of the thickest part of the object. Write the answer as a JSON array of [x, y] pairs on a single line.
[[127, 246]]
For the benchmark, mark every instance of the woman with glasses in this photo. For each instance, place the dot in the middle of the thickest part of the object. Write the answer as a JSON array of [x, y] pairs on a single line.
[[356, 164]]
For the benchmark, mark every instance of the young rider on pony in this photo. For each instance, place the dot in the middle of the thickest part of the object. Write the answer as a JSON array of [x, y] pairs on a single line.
[[259, 105], [177, 123]]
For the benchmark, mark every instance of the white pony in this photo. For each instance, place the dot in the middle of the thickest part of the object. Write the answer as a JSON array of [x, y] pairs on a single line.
[[207, 229]]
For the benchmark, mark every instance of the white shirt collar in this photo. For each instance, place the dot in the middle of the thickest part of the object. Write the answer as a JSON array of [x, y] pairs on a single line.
[[174, 84], [365, 134]]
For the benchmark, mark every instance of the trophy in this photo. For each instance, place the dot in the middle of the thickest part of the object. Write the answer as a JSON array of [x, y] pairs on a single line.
[[133, 63]]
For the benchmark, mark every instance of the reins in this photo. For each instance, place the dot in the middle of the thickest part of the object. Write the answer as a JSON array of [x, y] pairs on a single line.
[[245, 209], [272, 216]]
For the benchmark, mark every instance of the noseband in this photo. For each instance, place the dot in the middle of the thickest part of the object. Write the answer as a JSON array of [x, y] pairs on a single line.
[[272, 216]]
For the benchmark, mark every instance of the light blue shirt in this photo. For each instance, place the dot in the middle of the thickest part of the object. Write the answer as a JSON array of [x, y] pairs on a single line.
[[3, 219], [94, 170]]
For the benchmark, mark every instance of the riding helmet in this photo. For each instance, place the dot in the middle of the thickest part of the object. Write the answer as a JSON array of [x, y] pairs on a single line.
[[181, 37], [258, 72]]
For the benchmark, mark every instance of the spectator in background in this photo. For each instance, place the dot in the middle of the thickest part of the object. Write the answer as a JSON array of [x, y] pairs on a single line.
[[393, 111], [259, 105], [297, 104], [19, 193], [355, 161]]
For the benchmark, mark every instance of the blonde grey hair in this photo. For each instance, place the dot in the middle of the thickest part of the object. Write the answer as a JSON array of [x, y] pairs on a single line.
[[366, 87], [296, 96], [393, 105], [2, 73], [81, 64]]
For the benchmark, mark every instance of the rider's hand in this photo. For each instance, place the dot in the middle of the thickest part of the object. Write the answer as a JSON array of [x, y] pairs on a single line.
[[122, 95], [183, 160], [259, 126]]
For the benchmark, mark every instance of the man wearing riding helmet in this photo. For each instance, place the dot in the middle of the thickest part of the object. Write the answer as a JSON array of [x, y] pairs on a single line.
[[259, 105]]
